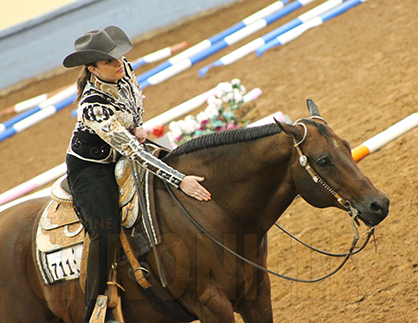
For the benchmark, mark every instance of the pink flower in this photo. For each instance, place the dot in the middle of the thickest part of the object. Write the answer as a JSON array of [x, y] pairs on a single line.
[[203, 124], [230, 125]]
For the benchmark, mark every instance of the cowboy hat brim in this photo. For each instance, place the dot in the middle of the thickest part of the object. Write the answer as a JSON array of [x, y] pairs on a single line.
[[82, 57]]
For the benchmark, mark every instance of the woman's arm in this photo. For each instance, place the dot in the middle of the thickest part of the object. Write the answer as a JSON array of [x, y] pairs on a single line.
[[110, 130]]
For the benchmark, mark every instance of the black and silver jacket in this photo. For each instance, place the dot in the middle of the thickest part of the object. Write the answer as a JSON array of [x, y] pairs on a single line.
[[107, 114]]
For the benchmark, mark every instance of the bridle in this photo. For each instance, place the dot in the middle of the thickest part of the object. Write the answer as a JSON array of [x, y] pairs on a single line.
[[303, 161]]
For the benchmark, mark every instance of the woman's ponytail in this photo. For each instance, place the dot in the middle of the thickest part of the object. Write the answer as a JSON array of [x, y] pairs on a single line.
[[82, 80]]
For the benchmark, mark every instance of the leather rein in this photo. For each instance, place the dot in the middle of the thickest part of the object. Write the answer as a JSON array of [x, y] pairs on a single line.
[[303, 161]]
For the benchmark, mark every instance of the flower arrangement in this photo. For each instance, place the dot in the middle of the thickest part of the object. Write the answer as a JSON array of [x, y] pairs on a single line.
[[220, 114]]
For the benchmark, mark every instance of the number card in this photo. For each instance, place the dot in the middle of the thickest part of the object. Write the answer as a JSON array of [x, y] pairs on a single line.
[[65, 264]]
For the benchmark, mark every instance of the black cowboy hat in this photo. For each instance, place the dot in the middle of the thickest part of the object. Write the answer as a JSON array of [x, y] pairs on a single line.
[[97, 45]]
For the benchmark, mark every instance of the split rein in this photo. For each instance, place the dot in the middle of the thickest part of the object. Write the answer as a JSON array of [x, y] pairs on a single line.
[[303, 161]]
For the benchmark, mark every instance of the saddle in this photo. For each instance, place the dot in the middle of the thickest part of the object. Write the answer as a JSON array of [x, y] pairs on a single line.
[[61, 236]]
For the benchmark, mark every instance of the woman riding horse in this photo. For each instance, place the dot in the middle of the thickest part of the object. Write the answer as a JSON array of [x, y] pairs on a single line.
[[109, 125]]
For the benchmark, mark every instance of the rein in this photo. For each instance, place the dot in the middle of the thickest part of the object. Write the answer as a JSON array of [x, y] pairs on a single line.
[[325, 252], [355, 239], [303, 161]]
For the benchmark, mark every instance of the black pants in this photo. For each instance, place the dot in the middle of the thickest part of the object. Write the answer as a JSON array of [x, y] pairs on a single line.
[[96, 201]]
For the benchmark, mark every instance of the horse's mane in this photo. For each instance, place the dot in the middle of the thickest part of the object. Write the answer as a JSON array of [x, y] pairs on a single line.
[[224, 138]]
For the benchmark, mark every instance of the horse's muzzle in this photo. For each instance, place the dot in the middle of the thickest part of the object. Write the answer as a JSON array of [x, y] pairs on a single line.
[[373, 210]]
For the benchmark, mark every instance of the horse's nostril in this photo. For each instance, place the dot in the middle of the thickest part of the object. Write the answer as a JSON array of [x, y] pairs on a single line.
[[376, 208]]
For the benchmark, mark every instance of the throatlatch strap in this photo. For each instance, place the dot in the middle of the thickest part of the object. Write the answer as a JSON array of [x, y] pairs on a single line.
[[139, 276]]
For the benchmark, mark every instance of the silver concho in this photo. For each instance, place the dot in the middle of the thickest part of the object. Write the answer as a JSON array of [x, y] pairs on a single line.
[[303, 160], [101, 302], [121, 166]]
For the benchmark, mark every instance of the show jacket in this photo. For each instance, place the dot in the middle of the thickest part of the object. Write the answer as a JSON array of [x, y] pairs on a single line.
[[107, 114]]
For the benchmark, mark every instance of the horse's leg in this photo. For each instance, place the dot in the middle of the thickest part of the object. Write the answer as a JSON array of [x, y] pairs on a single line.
[[136, 308], [21, 296], [256, 308], [214, 307]]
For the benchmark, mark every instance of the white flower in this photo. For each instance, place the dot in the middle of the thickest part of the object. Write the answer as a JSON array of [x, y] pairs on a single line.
[[242, 89], [176, 132], [189, 125], [215, 102], [189, 118], [237, 85], [211, 111], [180, 124], [222, 88], [238, 95], [236, 82], [202, 116], [172, 125], [229, 97]]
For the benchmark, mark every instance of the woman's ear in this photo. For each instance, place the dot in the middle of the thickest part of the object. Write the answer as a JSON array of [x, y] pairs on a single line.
[[92, 69]]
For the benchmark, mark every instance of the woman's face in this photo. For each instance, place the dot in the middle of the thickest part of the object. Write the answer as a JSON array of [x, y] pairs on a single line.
[[110, 70]]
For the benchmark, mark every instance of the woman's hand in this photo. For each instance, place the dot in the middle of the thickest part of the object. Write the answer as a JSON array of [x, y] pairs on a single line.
[[140, 134], [191, 186]]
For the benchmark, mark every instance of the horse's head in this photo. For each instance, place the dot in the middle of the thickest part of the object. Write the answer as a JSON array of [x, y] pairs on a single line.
[[325, 174]]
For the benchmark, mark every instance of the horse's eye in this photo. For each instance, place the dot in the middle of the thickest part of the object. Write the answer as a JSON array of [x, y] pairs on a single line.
[[324, 161]]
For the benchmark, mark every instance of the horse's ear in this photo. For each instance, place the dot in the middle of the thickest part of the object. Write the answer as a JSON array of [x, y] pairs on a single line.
[[279, 124], [313, 109], [290, 130]]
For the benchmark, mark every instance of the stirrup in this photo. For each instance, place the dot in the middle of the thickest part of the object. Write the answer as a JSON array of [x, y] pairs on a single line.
[[114, 299]]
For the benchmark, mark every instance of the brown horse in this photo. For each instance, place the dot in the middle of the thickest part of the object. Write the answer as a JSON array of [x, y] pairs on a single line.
[[253, 174]]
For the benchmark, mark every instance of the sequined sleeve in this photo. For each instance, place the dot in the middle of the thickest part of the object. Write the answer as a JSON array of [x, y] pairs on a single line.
[[101, 118]]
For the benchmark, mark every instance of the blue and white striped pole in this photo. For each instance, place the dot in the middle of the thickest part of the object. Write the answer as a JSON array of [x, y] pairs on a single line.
[[66, 96], [214, 39], [210, 41], [257, 43], [36, 117], [160, 54], [227, 41], [314, 22]]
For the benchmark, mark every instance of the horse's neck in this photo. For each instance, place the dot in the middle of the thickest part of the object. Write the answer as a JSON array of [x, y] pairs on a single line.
[[250, 180]]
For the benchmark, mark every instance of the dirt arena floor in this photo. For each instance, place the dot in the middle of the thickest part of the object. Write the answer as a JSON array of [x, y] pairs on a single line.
[[361, 70]]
